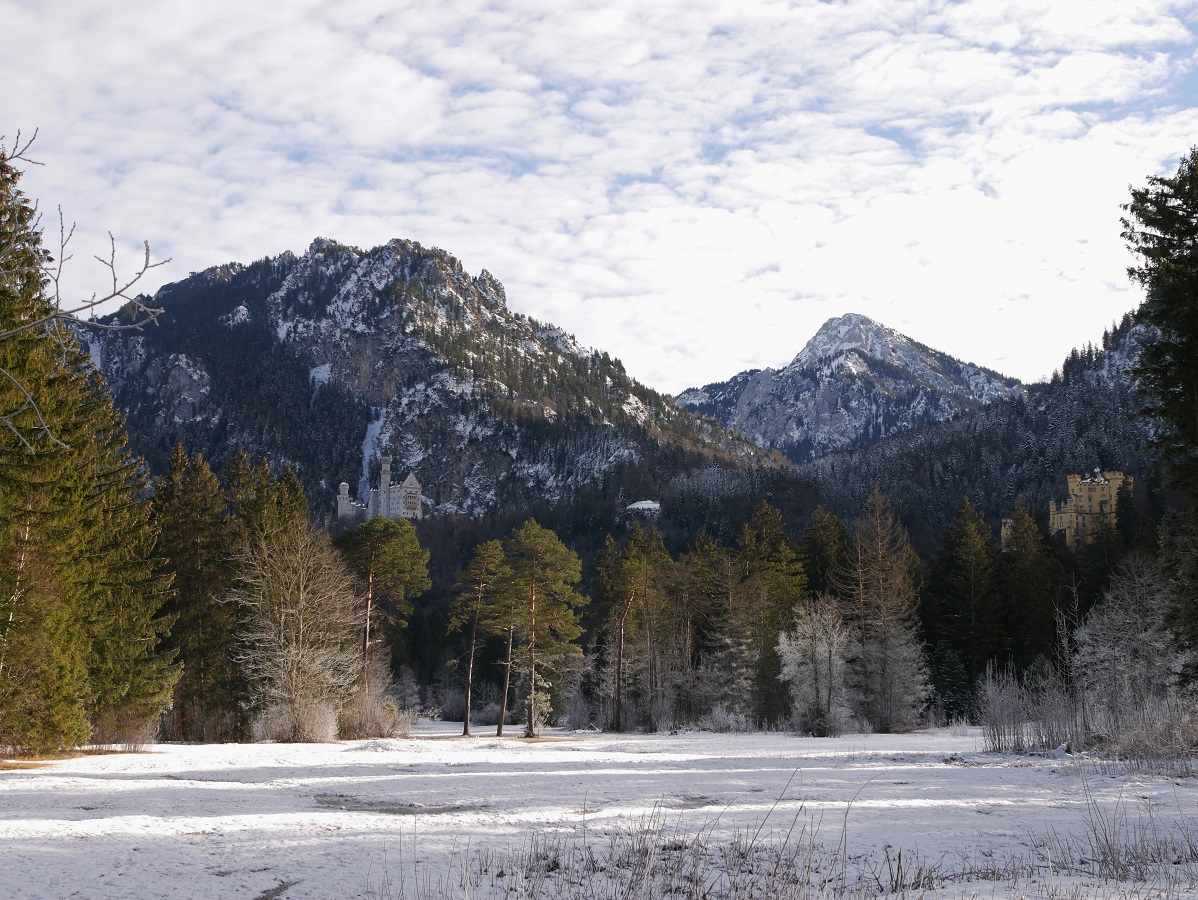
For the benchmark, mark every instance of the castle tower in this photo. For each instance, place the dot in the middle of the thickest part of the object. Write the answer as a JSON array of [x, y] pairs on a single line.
[[409, 505]]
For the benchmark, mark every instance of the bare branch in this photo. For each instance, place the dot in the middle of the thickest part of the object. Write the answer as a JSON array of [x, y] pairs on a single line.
[[22, 243], [143, 313]]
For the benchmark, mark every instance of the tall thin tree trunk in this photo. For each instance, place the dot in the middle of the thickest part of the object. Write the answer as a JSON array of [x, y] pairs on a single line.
[[619, 686], [507, 680], [366, 642], [470, 672], [530, 729]]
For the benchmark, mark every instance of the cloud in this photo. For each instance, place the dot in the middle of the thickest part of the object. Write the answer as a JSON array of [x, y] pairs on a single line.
[[692, 187]]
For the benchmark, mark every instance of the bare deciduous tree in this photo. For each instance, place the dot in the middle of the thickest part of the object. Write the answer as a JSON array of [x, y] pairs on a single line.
[[300, 641], [1126, 661]]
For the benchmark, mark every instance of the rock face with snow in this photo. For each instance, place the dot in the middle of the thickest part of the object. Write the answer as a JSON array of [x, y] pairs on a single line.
[[855, 383], [330, 360]]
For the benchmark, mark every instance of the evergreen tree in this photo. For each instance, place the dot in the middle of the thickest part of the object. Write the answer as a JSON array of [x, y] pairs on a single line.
[[1161, 228], [474, 606], [824, 550], [543, 572], [886, 662], [636, 580], [79, 629], [712, 575], [772, 587], [195, 544], [1029, 575], [968, 615], [130, 678], [392, 567]]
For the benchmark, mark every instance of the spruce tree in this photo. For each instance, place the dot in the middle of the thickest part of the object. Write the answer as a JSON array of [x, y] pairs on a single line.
[[195, 543], [1161, 228], [1029, 575], [772, 587], [80, 623], [886, 655], [969, 618]]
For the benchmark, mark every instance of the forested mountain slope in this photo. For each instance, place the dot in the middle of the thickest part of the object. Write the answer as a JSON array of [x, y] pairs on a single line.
[[329, 360], [1025, 446]]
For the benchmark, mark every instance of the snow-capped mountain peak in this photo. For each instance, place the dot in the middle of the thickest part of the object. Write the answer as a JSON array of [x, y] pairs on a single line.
[[854, 383]]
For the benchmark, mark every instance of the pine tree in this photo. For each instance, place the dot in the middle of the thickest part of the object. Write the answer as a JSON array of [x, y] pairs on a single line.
[[543, 572], [963, 584], [1029, 575], [474, 606], [1161, 228], [772, 587], [392, 567], [712, 577], [636, 582], [824, 551], [130, 678]]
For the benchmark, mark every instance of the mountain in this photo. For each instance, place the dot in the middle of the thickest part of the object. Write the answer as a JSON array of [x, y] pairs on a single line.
[[855, 383], [329, 360], [1085, 416]]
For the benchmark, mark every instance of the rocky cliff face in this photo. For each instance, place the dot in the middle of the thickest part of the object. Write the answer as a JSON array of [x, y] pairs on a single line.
[[329, 360], [855, 383]]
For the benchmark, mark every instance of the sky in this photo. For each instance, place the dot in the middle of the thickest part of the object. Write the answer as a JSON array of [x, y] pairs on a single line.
[[694, 187]]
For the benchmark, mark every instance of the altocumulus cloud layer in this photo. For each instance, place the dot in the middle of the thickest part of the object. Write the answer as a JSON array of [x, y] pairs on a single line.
[[694, 186]]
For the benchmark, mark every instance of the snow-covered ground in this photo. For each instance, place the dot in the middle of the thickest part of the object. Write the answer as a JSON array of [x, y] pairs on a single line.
[[392, 818]]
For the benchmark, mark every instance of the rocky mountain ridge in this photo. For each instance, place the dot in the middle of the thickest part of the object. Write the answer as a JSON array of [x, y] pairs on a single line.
[[329, 360], [853, 384]]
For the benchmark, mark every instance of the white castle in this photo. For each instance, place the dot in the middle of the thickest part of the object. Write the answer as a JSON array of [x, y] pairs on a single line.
[[392, 501]]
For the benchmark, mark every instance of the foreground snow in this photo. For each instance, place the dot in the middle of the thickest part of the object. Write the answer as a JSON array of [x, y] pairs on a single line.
[[401, 817]]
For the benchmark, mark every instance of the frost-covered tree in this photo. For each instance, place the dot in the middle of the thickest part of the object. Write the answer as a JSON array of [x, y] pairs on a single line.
[[886, 663], [1126, 660], [813, 664]]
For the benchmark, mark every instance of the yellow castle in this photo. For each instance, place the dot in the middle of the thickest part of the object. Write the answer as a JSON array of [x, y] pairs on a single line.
[[1091, 502]]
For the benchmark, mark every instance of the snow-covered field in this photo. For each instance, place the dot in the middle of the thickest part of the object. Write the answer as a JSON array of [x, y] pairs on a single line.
[[392, 818]]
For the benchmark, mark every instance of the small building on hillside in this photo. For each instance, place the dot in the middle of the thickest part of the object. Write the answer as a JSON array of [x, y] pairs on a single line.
[[1091, 503], [392, 501]]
